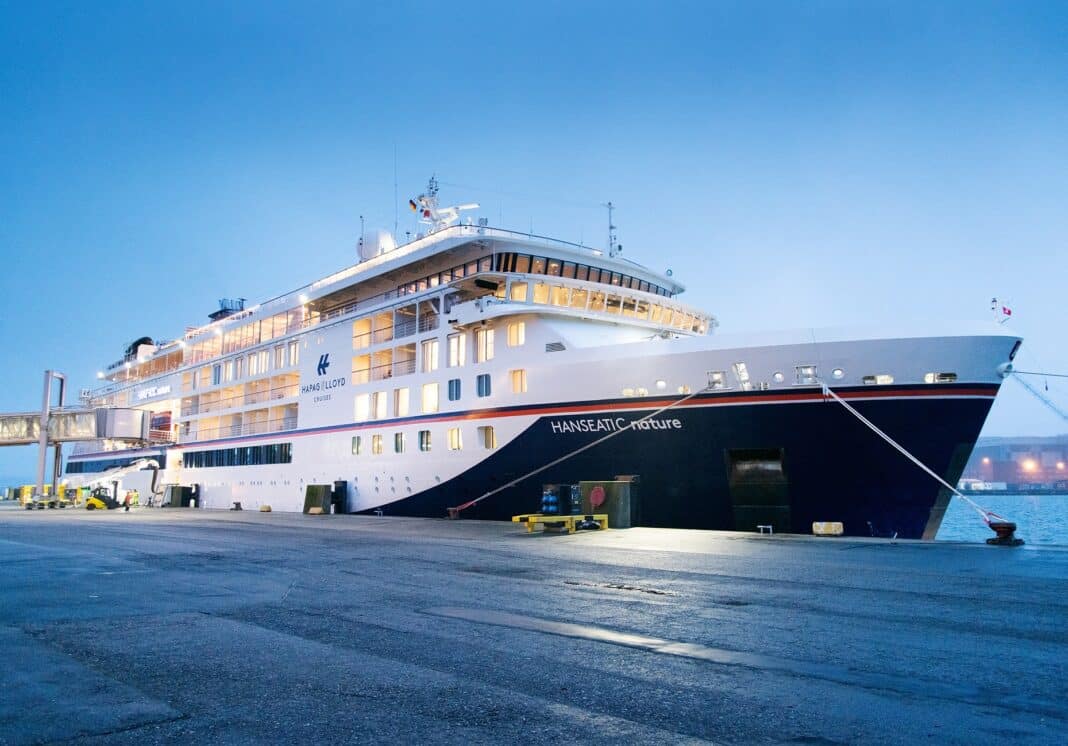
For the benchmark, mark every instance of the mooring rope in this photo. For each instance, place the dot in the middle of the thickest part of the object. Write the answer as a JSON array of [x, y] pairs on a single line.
[[1036, 373], [983, 513], [455, 511]]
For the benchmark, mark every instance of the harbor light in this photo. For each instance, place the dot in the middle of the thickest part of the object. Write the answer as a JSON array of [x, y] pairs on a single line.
[[1060, 466], [986, 459], [1029, 465]]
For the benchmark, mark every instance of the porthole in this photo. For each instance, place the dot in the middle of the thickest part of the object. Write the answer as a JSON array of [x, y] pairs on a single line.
[[779, 377], [661, 385], [837, 372]]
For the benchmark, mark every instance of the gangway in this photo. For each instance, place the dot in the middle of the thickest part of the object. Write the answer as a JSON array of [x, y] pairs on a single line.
[[55, 425]]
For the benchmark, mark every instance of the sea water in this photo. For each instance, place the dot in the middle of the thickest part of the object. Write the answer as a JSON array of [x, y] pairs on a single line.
[[1039, 519]]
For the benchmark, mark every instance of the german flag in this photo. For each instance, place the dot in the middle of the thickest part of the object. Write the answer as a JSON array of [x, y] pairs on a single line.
[[411, 204]]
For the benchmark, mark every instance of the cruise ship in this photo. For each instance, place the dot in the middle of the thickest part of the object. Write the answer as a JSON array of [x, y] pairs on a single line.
[[471, 357]]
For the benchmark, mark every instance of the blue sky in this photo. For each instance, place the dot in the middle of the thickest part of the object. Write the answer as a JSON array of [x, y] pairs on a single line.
[[795, 164]]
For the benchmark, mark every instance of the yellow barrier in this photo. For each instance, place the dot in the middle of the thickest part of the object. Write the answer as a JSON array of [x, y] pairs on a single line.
[[562, 523]]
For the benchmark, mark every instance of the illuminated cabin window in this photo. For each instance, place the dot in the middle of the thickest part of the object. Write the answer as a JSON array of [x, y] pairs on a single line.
[[517, 333], [400, 402], [641, 391], [518, 291], [628, 391], [378, 405], [881, 379], [487, 437], [455, 437], [376, 445], [483, 345], [805, 374], [363, 408], [717, 379], [357, 445], [519, 381], [398, 442], [685, 390], [424, 440], [457, 350], [430, 397], [940, 378]]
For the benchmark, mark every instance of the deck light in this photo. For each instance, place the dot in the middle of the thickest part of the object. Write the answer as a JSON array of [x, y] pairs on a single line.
[[1029, 464]]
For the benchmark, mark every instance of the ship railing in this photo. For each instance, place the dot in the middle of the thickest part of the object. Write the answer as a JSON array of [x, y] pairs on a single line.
[[237, 430]]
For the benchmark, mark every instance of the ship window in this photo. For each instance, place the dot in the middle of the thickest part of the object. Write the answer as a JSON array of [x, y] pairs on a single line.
[[522, 263], [357, 445], [630, 307], [398, 442], [880, 379], [559, 295], [294, 353], [628, 391], [430, 397], [376, 445], [615, 278], [424, 440], [483, 384], [456, 441], [613, 304], [582, 272], [279, 357], [554, 268], [643, 286], [518, 291], [363, 408], [641, 391], [597, 299], [569, 270], [216, 375], [940, 377], [454, 389], [239, 365], [483, 345], [541, 292], [805, 374], [484, 264], [579, 297], [400, 402], [741, 372], [519, 381], [430, 355], [517, 333], [838, 373], [537, 265], [684, 390], [487, 437], [378, 405], [595, 274], [717, 379], [779, 377], [457, 350]]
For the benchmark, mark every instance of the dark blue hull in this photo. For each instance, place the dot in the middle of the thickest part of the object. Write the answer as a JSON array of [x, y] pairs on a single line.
[[830, 466]]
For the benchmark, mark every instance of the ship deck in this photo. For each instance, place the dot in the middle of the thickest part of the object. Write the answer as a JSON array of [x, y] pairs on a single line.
[[155, 626]]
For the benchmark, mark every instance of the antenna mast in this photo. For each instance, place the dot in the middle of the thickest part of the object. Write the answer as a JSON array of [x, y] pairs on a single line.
[[611, 230]]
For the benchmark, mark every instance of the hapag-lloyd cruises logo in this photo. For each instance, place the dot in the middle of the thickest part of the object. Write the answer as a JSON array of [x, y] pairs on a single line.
[[323, 385]]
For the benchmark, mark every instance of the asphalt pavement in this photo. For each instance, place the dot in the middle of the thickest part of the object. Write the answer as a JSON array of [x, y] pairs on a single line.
[[157, 626]]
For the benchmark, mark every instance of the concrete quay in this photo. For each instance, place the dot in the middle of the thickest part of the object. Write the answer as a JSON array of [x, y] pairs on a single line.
[[156, 626]]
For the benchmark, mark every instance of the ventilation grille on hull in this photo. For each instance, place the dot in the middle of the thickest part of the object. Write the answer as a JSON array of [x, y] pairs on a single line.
[[554, 347]]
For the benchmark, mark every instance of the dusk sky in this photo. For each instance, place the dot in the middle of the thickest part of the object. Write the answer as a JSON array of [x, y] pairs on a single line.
[[794, 164]]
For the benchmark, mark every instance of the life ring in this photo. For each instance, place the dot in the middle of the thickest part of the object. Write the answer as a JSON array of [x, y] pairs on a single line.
[[597, 496]]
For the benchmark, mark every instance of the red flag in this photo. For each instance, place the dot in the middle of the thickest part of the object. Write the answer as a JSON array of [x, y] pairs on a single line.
[[1006, 310]]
